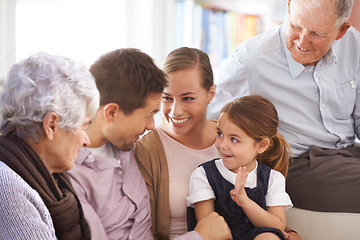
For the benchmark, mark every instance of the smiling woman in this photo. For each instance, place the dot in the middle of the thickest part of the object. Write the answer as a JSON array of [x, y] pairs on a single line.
[[168, 155], [42, 133]]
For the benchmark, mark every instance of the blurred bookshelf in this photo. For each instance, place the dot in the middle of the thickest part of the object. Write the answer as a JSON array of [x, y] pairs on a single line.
[[218, 26]]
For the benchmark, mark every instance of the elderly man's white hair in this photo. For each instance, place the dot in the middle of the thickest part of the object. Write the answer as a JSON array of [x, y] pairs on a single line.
[[342, 7]]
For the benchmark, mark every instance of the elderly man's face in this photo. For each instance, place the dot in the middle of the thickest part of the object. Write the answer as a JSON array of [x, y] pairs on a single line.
[[311, 31]]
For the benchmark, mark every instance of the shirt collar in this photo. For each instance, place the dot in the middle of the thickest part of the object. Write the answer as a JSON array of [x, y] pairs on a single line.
[[251, 181], [102, 162], [82, 155], [297, 68]]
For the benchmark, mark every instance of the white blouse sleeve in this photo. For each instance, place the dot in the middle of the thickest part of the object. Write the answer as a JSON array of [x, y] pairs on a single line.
[[276, 195], [199, 189]]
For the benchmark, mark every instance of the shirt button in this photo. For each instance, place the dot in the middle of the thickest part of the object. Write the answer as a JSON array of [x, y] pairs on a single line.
[[91, 158], [352, 84], [120, 172], [322, 105]]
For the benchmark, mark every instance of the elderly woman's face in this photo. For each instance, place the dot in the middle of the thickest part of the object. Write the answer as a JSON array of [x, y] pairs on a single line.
[[66, 147]]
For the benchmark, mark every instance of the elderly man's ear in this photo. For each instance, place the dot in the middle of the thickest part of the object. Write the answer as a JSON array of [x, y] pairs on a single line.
[[342, 30]]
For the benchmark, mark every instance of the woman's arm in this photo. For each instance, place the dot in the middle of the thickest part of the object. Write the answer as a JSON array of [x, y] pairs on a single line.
[[23, 212], [143, 160]]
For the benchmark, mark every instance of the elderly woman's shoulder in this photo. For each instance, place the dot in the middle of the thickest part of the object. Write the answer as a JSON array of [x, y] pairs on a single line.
[[10, 180]]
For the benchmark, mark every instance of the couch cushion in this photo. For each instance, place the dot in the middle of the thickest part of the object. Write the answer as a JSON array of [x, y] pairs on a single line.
[[313, 225]]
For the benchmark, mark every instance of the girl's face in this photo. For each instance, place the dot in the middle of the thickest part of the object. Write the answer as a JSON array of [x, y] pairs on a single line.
[[235, 147], [185, 101]]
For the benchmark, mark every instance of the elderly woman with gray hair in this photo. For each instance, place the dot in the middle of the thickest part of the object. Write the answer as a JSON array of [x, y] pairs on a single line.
[[46, 105]]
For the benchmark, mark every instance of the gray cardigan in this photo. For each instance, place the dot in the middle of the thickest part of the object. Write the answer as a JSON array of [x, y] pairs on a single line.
[[23, 214]]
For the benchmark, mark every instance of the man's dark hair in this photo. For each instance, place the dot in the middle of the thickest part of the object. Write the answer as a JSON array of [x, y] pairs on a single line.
[[127, 77]]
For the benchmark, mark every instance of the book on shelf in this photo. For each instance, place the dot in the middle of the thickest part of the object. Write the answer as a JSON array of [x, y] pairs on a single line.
[[215, 31]]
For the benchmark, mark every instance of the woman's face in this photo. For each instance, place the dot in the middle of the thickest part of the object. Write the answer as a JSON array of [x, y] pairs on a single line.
[[185, 101], [65, 147]]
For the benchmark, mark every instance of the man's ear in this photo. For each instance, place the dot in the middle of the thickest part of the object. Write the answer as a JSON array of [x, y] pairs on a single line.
[[110, 111], [49, 124], [342, 30], [263, 145]]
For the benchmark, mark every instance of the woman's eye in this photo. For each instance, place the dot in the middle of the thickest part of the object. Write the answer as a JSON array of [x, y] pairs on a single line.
[[234, 140], [188, 98], [219, 134]]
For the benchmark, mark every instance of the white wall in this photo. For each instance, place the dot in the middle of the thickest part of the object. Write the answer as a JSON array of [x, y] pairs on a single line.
[[7, 36], [83, 29]]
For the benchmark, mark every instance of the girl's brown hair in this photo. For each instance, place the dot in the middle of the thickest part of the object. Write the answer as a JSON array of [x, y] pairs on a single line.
[[258, 118]]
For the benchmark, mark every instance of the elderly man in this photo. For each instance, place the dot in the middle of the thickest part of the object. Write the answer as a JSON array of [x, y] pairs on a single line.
[[309, 68]]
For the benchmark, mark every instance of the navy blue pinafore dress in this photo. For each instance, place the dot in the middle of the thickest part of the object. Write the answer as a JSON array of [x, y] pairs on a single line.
[[240, 226]]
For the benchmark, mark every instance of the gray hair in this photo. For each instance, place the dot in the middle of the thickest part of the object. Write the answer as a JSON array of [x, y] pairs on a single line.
[[343, 8], [46, 83]]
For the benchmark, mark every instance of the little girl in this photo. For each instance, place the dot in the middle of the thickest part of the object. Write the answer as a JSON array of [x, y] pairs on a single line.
[[254, 158]]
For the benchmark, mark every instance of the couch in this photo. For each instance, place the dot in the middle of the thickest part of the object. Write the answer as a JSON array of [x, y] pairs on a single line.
[[313, 225]]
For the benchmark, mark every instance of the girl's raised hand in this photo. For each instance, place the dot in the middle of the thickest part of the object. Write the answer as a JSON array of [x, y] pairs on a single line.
[[238, 194]]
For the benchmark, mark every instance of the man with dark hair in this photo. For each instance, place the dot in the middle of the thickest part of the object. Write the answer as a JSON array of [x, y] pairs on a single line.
[[106, 177]]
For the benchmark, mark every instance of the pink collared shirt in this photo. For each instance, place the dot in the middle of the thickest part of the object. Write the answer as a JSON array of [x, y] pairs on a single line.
[[113, 194]]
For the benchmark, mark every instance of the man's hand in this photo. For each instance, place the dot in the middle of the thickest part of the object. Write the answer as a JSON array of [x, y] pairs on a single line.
[[292, 235], [213, 227]]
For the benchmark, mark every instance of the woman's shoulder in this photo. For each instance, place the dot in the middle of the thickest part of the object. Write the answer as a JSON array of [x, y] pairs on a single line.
[[149, 137], [150, 140], [15, 189], [149, 145], [23, 208], [9, 177]]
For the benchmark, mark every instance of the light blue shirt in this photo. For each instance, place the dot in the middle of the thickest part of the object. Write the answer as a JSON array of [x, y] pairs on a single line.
[[316, 105]]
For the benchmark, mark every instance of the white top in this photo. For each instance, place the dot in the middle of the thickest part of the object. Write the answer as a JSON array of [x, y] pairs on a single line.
[[201, 190], [182, 161]]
